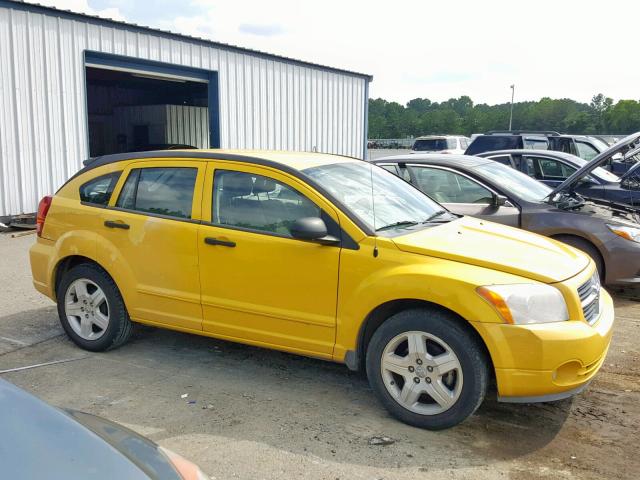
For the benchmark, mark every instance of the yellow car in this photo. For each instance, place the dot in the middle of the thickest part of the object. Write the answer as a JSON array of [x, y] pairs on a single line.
[[324, 256]]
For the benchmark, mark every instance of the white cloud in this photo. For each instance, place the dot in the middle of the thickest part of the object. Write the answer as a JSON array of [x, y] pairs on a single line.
[[81, 6], [436, 49]]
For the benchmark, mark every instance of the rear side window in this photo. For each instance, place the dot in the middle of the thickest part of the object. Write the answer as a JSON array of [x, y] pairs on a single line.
[[98, 191], [430, 145], [161, 191]]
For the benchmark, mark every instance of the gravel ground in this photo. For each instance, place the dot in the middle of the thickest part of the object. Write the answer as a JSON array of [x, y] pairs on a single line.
[[260, 414]]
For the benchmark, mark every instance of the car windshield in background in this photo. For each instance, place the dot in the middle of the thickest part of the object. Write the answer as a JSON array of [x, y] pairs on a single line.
[[396, 202], [431, 145], [605, 175], [514, 181]]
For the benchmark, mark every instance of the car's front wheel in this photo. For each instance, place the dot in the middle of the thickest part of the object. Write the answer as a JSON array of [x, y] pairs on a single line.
[[91, 309], [427, 369]]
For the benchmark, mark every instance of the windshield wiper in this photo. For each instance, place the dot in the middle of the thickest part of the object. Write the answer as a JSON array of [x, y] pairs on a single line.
[[435, 215], [403, 223]]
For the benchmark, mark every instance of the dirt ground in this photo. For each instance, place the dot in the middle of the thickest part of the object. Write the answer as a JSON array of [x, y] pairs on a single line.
[[260, 414]]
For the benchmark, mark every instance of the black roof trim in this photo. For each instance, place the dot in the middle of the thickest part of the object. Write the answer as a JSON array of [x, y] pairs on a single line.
[[35, 7], [96, 162], [546, 133]]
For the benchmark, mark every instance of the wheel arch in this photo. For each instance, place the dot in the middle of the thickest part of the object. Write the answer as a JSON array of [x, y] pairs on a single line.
[[67, 263], [560, 236], [381, 313]]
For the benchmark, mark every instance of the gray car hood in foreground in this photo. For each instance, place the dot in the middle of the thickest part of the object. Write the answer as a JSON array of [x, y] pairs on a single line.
[[38, 441], [625, 146]]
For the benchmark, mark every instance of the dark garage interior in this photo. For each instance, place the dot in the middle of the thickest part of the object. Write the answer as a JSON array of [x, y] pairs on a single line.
[[130, 111]]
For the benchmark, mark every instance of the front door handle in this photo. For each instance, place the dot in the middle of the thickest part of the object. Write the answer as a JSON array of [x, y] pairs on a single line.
[[112, 224], [222, 243]]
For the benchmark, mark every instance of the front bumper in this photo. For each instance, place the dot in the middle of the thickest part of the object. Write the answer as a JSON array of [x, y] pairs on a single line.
[[622, 262], [548, 361]]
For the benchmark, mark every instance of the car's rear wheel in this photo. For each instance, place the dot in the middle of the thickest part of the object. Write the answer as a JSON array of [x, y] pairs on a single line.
[[427, 369], [91, 309]]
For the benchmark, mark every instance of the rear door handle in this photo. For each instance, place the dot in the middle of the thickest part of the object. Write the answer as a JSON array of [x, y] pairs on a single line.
[[222, 243], [112, 224]]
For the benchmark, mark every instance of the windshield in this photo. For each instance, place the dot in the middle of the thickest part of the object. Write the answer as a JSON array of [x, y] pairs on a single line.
[[605, 175], [396, 201], [432, 144], [599, 144], [514, 181]]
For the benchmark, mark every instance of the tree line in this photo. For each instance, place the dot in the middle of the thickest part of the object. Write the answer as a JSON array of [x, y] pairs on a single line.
[[421, 116]]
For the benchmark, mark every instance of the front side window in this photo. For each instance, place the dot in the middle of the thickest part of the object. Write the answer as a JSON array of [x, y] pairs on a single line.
[[586, 151], [554, 169], [514, 182], [388, 201], [161, 191], [446, 186], [98, 191], [255, 202]]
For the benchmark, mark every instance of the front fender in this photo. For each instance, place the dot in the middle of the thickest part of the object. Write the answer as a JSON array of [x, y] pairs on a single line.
[[448, 284]]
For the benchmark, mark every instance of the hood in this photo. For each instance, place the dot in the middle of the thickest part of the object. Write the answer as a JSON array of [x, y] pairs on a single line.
[[626, 147], [40, 441], [502, 248]]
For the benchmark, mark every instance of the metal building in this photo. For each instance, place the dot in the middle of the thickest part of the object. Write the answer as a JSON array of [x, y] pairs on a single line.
[[74, 86]]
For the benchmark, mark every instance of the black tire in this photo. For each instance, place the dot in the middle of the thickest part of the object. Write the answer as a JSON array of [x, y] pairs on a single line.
[[473, 362], [120, 326], [588, 248]]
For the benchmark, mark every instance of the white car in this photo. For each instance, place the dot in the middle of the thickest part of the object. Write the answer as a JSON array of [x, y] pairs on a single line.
[[440, 144]]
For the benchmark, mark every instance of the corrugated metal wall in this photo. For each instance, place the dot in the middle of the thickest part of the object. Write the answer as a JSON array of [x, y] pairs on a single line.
[[265, 102]]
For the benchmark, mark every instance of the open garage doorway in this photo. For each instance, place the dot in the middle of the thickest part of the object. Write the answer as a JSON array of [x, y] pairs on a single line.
[[135, 105]]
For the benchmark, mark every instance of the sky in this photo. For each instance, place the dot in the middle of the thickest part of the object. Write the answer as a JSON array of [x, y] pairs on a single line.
[[429, 48]]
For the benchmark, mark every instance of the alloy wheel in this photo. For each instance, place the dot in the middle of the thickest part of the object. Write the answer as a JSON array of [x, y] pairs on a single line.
[[87, 309], [421, 372]]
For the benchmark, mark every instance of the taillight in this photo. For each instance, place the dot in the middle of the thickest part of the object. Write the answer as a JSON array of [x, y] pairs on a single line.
[[43, 209]]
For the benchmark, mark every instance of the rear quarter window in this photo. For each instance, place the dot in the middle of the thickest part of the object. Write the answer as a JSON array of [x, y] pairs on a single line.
[[97, 191]]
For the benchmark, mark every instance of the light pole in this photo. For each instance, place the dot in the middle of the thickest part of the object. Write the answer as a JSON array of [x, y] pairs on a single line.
[[513, 90]]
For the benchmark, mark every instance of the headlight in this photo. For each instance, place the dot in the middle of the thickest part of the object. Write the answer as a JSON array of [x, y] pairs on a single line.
[[630, 233], [526, 303]]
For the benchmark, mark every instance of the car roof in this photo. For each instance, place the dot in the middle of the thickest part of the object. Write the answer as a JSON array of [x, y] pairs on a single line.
[[530, 151], [466, 161], [292, 160]]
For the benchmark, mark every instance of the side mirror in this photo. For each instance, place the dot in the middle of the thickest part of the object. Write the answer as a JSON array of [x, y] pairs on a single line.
[[499, 201], [312, 229]]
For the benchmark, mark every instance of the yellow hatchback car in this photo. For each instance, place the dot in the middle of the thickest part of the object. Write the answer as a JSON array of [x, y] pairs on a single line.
[[324, 256]]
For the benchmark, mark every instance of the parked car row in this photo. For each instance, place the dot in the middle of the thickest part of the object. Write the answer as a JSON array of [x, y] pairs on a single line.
[[583, 146], [574, 201], [338, 259]]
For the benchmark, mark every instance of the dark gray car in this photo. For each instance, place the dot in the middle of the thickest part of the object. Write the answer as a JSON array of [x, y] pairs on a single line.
[[479, 187], [38, 441]]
